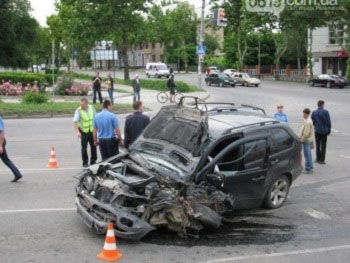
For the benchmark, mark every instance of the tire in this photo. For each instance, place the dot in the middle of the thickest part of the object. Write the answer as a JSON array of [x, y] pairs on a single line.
[[162, 97], [177, 97], [221, 84], [156, 76], [245, 84], [233, 85], [328, 85], [256, 85], [277, 193], [311, 83], [206, 216]]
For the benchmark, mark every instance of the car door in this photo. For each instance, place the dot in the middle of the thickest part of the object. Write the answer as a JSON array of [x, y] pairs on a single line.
[[246, 181]]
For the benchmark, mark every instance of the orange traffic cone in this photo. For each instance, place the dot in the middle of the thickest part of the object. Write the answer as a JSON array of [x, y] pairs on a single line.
[[110, 251], [52, 161]]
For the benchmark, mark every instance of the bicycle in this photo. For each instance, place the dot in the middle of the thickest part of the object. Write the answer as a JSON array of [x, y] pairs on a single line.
[[163, 96]]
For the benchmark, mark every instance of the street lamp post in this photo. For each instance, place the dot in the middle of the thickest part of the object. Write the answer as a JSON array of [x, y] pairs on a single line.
[[201, 40]]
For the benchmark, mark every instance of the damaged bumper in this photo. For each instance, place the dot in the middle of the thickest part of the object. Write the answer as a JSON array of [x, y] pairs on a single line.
[[97, 215]]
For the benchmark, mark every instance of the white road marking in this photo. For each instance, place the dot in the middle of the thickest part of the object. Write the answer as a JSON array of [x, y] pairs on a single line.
[[37, 210], [281, 254], [344, 156], [31, 170], [334, 130], [316, 214]]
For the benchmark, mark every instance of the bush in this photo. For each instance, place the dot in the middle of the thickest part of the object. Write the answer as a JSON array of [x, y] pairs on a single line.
[[31, 97], [79, 89], [64, 82], [25, 78]]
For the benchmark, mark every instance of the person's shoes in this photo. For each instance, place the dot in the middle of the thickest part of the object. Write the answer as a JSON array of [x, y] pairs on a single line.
[[16, 179], [321, 162], [85, 165], [307, 172]]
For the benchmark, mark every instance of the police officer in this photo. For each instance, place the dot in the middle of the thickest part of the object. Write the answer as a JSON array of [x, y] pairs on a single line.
[[83, 126]]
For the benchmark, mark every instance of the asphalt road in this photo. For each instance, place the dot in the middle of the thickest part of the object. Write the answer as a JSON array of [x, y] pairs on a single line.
[[39, 222]]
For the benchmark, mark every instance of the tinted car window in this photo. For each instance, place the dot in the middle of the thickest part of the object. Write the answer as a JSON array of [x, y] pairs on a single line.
[[282, 140], [257, 154]]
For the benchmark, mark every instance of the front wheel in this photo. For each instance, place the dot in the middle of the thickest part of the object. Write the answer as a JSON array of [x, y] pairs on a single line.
[[162, 97], [311, 83], [277, 193], [177, 97], [328, 85]]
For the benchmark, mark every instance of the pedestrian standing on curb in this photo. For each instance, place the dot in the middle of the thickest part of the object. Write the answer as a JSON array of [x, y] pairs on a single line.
[[3, 154], [110, 86], [84, 127], [96, 82], [136, 87], [280, 115], [171, 86], [106, 128], [323, 127], [307, 139], [135, 124]]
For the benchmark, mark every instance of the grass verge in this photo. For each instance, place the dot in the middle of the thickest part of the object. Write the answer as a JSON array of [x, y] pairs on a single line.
[[50, 109]]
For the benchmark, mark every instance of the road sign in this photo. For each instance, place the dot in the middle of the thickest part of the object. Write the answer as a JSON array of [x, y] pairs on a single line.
[[200, 50]]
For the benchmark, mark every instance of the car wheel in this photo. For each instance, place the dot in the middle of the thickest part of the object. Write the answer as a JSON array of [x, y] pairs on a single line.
[[245, 84], [277, 193], [206, 215], [311, 83], [233, 85], [328, 85], [148, 76], [221, 84], [256, 85]]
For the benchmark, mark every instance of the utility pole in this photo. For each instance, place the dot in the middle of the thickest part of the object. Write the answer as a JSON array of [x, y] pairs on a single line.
[[53, 66], [200, 43]]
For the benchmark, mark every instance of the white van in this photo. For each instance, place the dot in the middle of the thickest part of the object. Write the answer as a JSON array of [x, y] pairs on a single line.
[[157, 70]]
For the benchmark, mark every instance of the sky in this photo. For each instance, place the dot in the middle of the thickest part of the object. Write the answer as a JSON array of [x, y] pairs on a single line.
[[44, 8]]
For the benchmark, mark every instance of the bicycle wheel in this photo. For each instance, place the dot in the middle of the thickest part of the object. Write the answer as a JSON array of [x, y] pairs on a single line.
[[162, 97], [178, 97]]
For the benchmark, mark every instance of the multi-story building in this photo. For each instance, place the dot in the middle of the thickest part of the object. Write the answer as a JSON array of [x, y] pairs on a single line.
[[327, 50]]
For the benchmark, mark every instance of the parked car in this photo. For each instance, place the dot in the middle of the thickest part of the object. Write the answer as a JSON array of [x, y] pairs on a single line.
[[212, 69], [189, 168], [245, 79], [157, 70], [328, 80], [220, 79], [230, 72]]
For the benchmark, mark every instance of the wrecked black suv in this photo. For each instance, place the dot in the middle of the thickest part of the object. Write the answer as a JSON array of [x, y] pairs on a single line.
[[188, 168]]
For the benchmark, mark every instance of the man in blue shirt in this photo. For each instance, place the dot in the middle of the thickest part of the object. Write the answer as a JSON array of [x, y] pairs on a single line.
[[280, 115], [106, 127], [323, 126], [3, 154]]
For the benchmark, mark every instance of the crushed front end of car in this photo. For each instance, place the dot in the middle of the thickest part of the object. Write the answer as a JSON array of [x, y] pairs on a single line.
[[152, 184]]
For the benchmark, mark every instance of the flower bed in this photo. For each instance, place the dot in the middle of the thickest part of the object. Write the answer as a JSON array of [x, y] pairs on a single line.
[[7, 89], [78, 89]]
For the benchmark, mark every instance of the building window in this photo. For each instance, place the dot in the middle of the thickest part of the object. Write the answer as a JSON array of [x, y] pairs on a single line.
[[336, 34]]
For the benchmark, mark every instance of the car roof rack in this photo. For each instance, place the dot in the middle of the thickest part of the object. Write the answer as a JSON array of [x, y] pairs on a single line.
[[236, 107], [257, 124], [195, 103]]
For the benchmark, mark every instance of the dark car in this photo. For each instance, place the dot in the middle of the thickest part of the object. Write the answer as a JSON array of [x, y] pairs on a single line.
[[220, 79], [189, 168], [328, 80]]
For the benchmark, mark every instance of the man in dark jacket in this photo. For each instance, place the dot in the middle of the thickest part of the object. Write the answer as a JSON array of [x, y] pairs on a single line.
[[323, 126], [135, 124]]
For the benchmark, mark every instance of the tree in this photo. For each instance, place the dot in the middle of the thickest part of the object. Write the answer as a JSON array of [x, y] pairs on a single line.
[[18, 33], [87, 21]]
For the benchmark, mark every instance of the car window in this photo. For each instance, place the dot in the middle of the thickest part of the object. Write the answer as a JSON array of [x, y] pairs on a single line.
[[282, 140], [254, 155]]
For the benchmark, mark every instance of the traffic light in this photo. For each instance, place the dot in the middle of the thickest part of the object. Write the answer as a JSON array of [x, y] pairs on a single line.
[[221, 19]]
